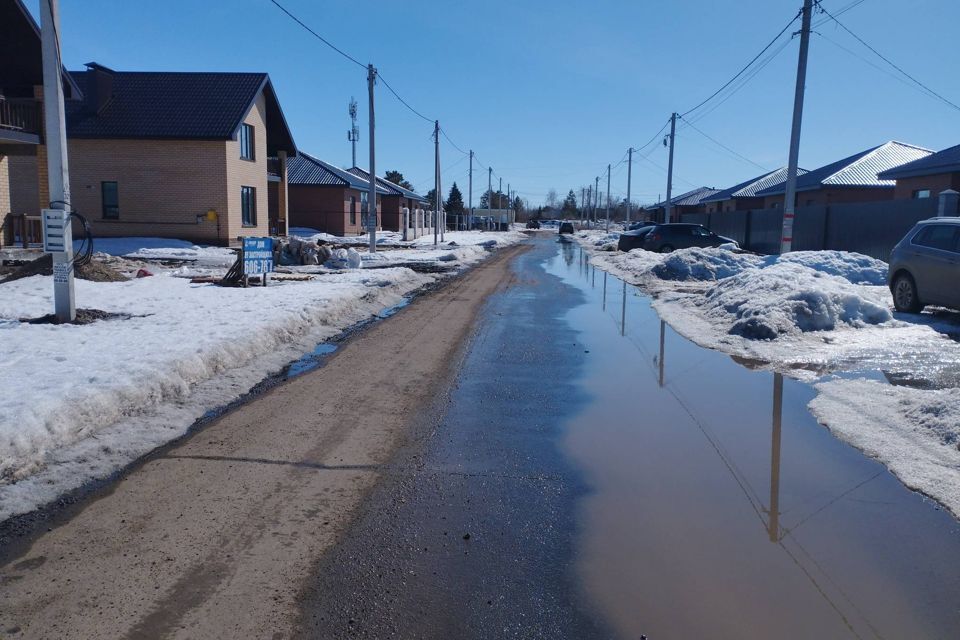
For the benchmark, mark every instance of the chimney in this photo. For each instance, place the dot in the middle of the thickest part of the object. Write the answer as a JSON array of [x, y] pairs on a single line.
[[99, 88]]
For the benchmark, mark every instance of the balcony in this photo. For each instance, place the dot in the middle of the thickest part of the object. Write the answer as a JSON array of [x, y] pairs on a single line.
[[20, 120]]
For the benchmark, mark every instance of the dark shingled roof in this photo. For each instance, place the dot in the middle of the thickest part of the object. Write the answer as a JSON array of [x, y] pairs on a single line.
[[946, 161], [392, 187], [309, 170], [749, 188], [175, 105], [859, 170]]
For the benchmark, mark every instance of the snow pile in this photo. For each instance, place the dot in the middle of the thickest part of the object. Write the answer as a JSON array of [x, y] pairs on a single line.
[[473, 238], [700, 264], [788, 298], [345, 259], [77, 383], [914, 432], [853, 267]]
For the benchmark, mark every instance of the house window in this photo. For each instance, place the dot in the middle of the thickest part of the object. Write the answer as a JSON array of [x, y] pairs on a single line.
[[246, 142], [921, 193], [353, 210], [111, 200], [248, 206]]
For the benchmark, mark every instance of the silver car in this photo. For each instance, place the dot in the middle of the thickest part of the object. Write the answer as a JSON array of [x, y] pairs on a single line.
[[925, 266]]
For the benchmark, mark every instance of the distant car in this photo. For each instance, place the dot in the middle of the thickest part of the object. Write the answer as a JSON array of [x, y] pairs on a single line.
[[640, 224], [664, 238], [633, 239], [533, 224], [925, 266], [566, 227]]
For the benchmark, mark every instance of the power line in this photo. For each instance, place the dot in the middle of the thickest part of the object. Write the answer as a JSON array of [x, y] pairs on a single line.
[[318, 36], [455, 145], [741, 72], [402, 101], [927, 89], [723, 146]]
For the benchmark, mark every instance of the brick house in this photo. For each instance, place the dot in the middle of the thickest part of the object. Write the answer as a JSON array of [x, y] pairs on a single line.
[[743, 196], [328, 199], [21, 123], [394, 201], [184, 155], [852, 179], [689, 202], [926, 177]]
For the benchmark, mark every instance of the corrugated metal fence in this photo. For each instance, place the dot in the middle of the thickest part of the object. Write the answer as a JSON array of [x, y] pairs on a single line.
[[871, 228]]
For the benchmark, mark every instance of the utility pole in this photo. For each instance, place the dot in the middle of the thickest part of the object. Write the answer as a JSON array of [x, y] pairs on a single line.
[[57, 167], [469, 224], [596, 198], [673, 131], [583, 199], [489, 192], [436, 180], [789, 207], [626, 225], [608, 198], [589, 202], [372, 199], [353, 135]]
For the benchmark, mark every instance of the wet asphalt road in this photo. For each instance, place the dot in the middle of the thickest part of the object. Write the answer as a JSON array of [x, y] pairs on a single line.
[[472, 533]]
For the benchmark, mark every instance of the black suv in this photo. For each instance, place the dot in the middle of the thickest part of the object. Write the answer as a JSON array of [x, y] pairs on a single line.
[[664, 238], [566, 227]]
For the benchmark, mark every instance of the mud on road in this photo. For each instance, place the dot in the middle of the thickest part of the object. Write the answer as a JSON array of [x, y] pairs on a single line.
[[216, 535]]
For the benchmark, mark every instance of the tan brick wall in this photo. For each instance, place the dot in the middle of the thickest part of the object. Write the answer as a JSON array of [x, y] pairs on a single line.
[[249, 174], [163, 185], [25, 185], [326, 209]]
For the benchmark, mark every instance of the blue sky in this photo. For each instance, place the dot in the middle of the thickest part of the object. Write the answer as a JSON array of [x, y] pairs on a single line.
[[549, 92]]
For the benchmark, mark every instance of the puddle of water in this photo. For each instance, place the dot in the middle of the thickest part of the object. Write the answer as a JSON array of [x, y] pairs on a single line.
[[389, 311], [310, 361], [721, 509]]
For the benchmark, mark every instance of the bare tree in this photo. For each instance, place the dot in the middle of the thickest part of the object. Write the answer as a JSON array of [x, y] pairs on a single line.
[[552, 199]]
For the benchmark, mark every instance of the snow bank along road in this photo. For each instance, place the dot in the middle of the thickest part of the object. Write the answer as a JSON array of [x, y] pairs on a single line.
[[213, 536], [101, 395], [812, 315]]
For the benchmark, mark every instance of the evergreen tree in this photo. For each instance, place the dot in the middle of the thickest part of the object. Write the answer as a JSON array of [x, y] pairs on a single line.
[[570, 203], [454, 204], [397, 178], [431, 199]]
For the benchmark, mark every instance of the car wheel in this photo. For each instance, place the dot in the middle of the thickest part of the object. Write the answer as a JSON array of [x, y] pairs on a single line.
[[905, 294], [666, 248]]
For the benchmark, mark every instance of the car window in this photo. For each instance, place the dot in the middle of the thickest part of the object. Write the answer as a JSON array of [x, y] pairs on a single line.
[[938, 236], [702, 231]]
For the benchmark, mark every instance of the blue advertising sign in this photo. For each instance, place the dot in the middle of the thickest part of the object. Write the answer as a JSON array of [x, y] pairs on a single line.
[[257, 256]]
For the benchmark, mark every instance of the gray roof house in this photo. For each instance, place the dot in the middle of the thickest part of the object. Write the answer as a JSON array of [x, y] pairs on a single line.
[[689, 202], [743, 196], [852, 179], [928, 176]]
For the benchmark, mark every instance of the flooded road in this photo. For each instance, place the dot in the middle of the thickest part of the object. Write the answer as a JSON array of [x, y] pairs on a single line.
[[597, 475]]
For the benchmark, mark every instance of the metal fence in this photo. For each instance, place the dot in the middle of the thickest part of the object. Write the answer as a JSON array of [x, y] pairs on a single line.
[[871, 228]]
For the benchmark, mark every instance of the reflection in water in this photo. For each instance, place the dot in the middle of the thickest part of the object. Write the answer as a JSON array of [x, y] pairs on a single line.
[[603, 305], [676, 538], [774, 512], [567, 248]]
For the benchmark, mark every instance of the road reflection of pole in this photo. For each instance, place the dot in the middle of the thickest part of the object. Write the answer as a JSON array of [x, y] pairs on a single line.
[[623, 311], [774, 515], [663, 329], [593, 276], [603, 306]]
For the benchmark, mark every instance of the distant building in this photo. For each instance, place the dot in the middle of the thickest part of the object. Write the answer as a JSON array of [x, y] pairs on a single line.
[[743, 197], [689, 202], [926, 177], [394, 201], [853, 179], [329, 199]]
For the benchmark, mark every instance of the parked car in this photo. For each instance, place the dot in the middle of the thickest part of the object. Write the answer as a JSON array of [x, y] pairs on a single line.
[[566, 227], [925, 266], [664, 238], [633, 239], [639, 224], [533, 224]]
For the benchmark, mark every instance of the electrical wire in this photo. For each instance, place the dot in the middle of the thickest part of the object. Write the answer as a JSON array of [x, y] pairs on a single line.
[[318, 36], [917, 82], [402, 101], [723, 146], [747, 66]]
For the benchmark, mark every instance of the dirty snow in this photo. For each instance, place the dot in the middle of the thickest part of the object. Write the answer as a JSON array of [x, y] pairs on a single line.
[[103, 394], [914, 432]]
